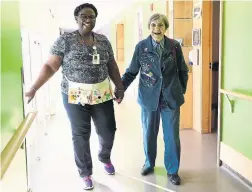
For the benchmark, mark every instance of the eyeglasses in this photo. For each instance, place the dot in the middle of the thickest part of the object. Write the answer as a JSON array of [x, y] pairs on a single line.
[[86, 17], [159, 25]]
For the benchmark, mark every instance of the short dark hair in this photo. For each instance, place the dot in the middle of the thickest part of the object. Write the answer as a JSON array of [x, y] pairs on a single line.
[[85, 5]]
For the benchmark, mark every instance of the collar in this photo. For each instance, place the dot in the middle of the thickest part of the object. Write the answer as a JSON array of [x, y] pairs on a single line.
[[148, 45], [95, 36], [161, 43]]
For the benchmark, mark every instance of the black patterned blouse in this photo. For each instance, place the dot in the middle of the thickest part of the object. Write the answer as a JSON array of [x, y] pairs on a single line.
[[77, 58]]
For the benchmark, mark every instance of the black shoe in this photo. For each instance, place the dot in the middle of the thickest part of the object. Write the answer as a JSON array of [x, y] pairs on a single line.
[[175, 179], [145, 171]]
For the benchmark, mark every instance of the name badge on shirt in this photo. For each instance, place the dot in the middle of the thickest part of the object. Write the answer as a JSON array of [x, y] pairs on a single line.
[[96, 59]]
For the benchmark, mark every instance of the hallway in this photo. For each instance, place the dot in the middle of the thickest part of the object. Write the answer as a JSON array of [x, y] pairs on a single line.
[[56, 170], [37, 153]]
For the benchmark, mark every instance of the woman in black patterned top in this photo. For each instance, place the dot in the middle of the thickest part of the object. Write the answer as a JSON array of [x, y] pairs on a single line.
[[88, 64]]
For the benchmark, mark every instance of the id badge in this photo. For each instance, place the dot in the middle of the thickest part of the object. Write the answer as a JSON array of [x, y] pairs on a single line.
[[96, 59]]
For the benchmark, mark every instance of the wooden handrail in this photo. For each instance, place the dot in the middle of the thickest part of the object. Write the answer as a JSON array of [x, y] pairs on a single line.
[[15, 142], [238, 95]]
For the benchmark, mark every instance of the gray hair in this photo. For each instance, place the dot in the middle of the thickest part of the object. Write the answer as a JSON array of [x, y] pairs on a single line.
[[157, 16]]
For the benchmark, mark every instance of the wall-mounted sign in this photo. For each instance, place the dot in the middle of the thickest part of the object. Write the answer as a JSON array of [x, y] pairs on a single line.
[[197, 10], [194, 57], [196, 37]]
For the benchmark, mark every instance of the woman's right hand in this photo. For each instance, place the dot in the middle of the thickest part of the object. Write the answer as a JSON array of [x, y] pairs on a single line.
[[47, 71], [30, 95]]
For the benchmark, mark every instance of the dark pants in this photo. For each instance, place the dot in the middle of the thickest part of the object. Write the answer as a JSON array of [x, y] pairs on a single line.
[[170, 122], [80, 119]]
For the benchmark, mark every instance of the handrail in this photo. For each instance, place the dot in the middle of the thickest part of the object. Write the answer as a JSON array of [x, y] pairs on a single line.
[[15, 142], [238, 95]]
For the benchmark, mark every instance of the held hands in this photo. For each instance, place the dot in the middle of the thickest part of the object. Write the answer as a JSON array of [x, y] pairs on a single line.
[[119, 94]]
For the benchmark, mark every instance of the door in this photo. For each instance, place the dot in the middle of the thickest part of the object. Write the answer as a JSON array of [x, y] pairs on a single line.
[[120, 46], [210, 62], [182, 24]]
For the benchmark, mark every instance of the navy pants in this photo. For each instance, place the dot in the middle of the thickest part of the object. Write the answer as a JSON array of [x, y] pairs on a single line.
[[80, 118], [170, 121]]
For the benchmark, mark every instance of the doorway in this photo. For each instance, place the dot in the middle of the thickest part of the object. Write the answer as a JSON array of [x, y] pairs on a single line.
[[214, 65], [210, 65]]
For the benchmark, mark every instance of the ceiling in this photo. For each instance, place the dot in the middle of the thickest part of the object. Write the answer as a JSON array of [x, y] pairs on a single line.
[[107, 9]]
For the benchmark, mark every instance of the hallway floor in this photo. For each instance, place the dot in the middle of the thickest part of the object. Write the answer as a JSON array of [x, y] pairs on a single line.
[[56, 171]]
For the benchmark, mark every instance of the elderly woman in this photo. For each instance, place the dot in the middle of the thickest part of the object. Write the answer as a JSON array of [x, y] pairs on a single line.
[[163, 81], [88, 64]]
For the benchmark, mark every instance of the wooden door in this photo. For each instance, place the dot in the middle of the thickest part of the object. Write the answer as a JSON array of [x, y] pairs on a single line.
[[120, 44], [182, 29]]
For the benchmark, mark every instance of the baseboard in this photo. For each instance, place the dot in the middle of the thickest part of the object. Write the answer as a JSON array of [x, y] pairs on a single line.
[[236, 162], [237, 175]]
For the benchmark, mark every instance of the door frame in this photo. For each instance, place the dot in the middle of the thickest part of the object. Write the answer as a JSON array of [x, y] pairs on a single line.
[[207, 80], [218, 162]]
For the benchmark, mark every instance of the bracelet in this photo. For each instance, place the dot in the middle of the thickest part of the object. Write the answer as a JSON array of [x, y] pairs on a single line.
[[120, 90], [34, 89]]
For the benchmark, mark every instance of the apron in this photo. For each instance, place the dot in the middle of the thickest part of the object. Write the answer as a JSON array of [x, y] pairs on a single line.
[[92, 94]]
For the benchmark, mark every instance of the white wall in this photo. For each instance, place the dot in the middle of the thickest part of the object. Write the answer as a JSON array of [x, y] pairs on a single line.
[[39, 31]]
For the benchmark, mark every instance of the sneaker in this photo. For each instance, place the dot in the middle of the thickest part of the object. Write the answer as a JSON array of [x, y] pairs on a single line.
[[109, 168], [88, 184], [174, 178], [147, 170]]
